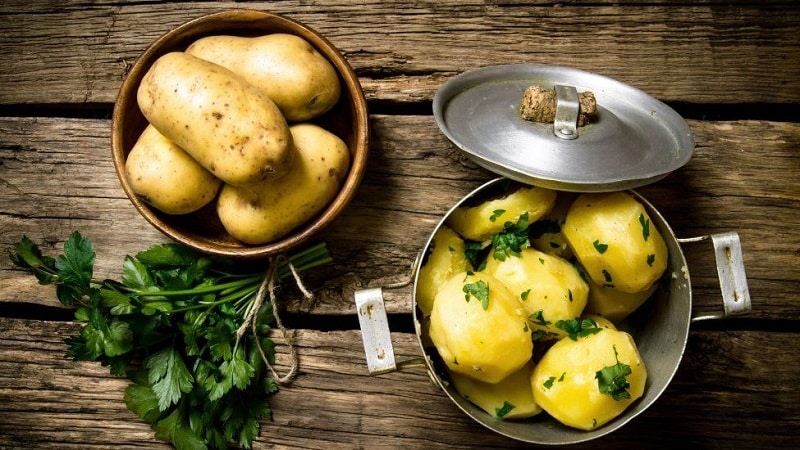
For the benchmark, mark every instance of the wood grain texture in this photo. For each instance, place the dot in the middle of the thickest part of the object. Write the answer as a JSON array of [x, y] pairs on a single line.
[[58, 177], [738, 52], [333, 403]]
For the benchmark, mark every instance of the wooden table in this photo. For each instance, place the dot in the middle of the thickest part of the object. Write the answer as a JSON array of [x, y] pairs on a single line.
[[730, 68]]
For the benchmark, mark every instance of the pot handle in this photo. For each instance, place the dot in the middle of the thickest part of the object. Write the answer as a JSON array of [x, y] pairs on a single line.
[[731, 273], [374, 324]]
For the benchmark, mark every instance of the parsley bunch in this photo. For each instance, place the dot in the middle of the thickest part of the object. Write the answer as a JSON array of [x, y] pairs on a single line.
[[170, 325]]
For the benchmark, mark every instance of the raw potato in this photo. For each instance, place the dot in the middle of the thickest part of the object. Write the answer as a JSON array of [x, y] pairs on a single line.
[[613, 238], [549, 288], [614, 304], [265, 212], [446, 259], [509, 398], [565, 385], [484, 344], [167, 178], [227, 125], [286, 67], [480, 222]]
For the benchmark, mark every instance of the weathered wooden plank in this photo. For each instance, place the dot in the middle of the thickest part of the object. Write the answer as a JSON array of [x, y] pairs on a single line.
[[722, 52], [49, 402], [57, 176]]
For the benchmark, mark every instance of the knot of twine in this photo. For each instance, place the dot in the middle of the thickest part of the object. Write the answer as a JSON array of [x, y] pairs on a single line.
[[267, 288]]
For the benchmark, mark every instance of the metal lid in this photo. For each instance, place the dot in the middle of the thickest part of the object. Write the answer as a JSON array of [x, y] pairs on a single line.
[[635, 139]]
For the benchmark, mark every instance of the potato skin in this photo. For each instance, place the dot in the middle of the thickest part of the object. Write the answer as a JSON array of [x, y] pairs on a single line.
[[224, 123], [267, 211], [299, 79], [166, 177]]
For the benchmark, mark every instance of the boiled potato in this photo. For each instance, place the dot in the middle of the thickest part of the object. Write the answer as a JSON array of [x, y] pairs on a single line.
[[446, 259], [549, 288], [164, 176], [286, 67], [509, 398], [480, 222], [613, 238], [613, 304], [265, 212], [227, 125], [545, 233], [569, 382], [479, 328]]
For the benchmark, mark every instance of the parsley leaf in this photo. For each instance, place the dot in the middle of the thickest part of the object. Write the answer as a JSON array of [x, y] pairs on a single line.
[[479, 290], [511, 240], [612, 380], [576, 328]]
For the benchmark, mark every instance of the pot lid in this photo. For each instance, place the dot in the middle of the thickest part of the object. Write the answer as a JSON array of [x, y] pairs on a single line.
[[633, 140]]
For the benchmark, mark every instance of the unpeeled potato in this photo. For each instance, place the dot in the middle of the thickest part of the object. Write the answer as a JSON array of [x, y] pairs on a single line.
[[227, 125], [167, 178], [287, 68], [265, 212]]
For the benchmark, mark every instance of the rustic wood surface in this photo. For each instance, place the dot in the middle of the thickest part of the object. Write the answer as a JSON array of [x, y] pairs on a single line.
[[730, 67]]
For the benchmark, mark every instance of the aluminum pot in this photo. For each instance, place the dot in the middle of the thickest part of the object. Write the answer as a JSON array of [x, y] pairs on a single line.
[[660, 328]]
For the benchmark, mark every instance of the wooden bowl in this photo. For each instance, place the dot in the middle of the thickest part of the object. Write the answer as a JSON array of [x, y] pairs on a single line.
[[203, 230]]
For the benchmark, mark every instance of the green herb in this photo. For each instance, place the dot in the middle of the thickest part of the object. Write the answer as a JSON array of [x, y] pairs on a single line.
[[651, 259], [612, 380], [501, 412], [538, 318], [549, 382], [479, 290], [600, 247], [645, 226], [511, 240], [496, 214], [524, 295], [170, 324], [576, 328]]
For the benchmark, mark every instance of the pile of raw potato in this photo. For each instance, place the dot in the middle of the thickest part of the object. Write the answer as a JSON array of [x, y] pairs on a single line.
[[532, 327], [229, 119]]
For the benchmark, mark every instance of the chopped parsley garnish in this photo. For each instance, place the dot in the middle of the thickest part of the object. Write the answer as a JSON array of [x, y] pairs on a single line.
[[511, 240], [645, 222], [504, 410], [479, 290], [538, 318], [651, 259], [600, 247], [612, 380], [496, 214], [576, 328]]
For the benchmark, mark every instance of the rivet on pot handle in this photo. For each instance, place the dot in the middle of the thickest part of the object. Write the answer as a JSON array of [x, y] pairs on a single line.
[[374, 325], [732, 277]]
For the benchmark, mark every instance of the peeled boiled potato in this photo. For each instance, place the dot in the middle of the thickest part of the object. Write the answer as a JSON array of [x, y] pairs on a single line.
[[446, 259], [613, 238], [565, 381], [167, 178], [613, 304], [289, 70], [549, 288], [480, 222], [479, 328], [227, 125], [265, 212], [509, 398]]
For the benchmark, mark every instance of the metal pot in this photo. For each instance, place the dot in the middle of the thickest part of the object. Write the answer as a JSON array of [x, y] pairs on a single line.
[[660, 328], [635, 140]]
